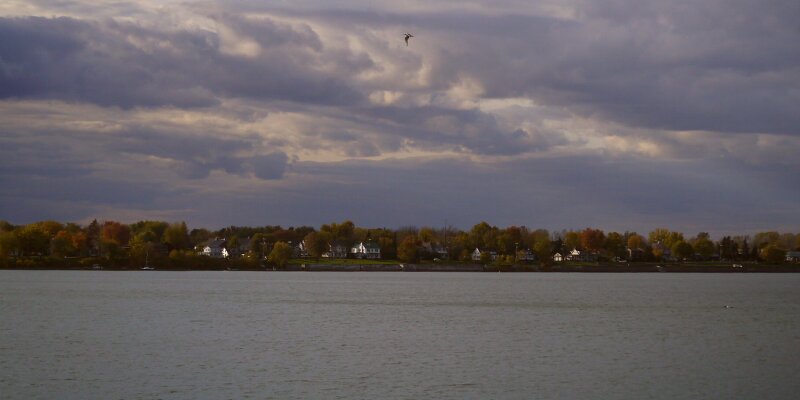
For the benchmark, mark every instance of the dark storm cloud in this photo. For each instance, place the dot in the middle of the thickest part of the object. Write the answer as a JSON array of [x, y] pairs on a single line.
[[118, 64], [553, 193], [197, 154], [268, 166]]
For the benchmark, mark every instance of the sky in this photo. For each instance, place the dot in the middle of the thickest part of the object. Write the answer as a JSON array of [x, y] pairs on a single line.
[[612, 114]]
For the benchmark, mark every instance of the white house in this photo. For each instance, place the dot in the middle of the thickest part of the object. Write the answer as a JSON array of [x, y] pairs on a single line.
[[476, 255], [366, 250], [215, 249], [574, 255], [558, 257], [300, 250]]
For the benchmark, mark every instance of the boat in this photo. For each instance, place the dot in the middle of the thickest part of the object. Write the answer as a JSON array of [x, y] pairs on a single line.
[[146, 266]]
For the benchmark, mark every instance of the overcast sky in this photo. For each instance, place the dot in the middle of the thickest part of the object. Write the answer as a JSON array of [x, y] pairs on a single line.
[[612, 114]]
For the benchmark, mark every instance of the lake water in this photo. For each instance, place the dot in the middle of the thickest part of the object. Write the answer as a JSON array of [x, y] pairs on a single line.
[[296, 335]]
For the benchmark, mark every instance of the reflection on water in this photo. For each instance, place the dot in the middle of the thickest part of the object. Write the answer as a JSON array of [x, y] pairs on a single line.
[[99, 334]]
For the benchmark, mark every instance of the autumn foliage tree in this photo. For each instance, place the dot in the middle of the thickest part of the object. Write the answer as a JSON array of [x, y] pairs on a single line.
[[592, 239], [280, 254], [407, 250]]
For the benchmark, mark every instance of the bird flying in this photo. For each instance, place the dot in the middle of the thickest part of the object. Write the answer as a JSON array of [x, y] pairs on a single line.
[[407, 36]]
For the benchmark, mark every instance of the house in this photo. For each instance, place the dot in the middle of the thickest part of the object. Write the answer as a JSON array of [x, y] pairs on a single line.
[[434, 250], [441, 252], [240, 250], [577, 255], [526, 255], [336, 249], [558, 257], [215, 248], [300, 251], [477, 254], [793, 256], [636, 254], [369, 250]]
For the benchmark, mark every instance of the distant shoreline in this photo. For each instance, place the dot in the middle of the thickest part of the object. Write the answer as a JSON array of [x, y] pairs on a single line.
[[600, 267]]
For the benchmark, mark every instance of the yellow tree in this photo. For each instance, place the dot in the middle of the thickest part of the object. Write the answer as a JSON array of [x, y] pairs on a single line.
[[280, 254]]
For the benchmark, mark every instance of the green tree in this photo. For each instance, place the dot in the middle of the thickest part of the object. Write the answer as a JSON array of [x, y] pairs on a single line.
[[703, 245], [615, 244], [198, 236], [33, 240], [8, 244], [543, 248], [572, 240], [682, 250], [773, 254], [176, 236], [280, 254], [316, 243]]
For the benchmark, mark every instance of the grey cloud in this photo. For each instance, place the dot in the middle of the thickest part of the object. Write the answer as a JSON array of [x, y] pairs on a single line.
[[69, 59], [431, 127], [269, 166], [196, 155], [575, 192], [712, 65]]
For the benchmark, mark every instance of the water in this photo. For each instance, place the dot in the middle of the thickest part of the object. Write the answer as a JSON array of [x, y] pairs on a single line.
[[218, 335]]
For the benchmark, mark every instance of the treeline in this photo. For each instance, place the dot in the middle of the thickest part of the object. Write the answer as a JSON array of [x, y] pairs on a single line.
[[174, 245]]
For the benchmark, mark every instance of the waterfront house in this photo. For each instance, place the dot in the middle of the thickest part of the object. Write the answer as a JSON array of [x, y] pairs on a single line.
[[336, 249], [575, 255], [793, 256], [300, 250], [369, 250], [526, 255], [477, 254], [215, 248], [558, 257], [434, 250]]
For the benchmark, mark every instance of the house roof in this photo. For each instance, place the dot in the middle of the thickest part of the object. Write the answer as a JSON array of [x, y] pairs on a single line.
[[214, 243]]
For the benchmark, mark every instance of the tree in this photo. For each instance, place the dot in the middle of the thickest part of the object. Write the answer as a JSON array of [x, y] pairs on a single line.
[[176, 236], [93, 237], [8, 244], [197, 236], [703, 245], [316, 243], [662, 239], [543, 248], [427, 235], [635, 241], [592, 239], [682, 250], [232, 244], [773, 254], [615, 244], [407, 250], [116, 232], [33, 240], [6, 226], [280, 254], [572, 240], [62, 245]]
